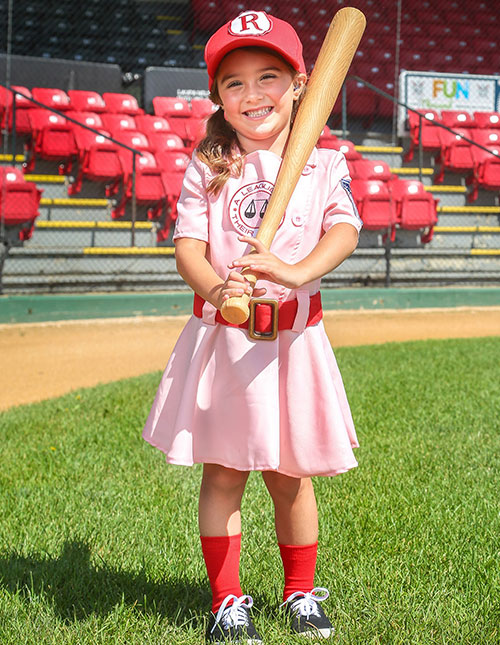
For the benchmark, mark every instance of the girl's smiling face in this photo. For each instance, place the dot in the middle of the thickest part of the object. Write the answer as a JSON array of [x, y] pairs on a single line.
[[256, 89]]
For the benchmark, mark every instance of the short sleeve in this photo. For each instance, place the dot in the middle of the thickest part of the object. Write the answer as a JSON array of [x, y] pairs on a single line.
[[192, 211], [340, 205]]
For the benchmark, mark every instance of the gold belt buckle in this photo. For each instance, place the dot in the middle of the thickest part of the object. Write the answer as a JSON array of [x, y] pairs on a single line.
[[265, 335]]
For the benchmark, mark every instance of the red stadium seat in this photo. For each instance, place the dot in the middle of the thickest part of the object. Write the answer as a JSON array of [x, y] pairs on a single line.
[[187, 129], [347, 148], [457, 119], [415, 208], [149, 187], [52, 98], [173, 167], [170, 106], [137, 141], [92, 119], [118, 122], [122, 103], [375, 205], [326, 138], [486, 137], [456, 153], [23, 107], [150, 124], [99, 160], [52, 140], [487, 119], [486, 172], [368, 169], [166, 141], [202, 108], [431, 140], [19, 202], [86, 101]]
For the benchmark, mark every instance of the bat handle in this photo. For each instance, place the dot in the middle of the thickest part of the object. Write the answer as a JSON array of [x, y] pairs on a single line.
[[236, 309]]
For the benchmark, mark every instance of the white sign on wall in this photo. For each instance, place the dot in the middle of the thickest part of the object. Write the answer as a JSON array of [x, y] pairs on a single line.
[[430, 90]]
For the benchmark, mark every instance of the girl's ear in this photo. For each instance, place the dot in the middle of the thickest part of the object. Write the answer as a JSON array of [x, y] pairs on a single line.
[[298, 85]]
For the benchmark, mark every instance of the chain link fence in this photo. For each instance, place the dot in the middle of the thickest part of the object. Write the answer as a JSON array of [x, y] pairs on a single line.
[[96, 232]]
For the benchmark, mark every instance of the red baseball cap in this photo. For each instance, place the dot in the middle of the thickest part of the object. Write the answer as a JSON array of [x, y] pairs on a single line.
[[254, 28]]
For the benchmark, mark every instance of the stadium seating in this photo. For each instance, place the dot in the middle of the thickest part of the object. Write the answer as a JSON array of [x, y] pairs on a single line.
[[19, 202], [486, 173], [122, 103], [117, 122], [150, 124], [98, 160], [52, 139], [137, 141], [456, 153], [369, 169], [86, 101], [202, 108], [23, 106], [173, 166], [347, 148], [416, 209], [375, 205], [149, 187], [430, 137], [54, 98], [487, 119], [171, 106], [166, 141]]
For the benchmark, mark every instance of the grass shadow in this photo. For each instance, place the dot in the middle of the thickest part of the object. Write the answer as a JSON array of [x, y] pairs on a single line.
[[77, 589]]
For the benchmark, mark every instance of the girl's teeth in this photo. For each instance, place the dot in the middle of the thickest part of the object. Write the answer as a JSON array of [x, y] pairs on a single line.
[[262, 112]]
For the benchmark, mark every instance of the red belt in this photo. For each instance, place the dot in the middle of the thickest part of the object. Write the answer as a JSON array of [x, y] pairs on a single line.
[[267, 317]]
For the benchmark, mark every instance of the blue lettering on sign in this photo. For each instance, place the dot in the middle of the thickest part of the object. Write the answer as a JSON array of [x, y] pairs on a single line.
[[462, 88]]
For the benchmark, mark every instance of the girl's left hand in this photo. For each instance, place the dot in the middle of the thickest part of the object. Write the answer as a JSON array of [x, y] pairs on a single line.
[[267, 265]]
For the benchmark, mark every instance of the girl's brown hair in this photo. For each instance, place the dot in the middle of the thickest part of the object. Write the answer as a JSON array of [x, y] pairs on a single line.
[[220, 149]]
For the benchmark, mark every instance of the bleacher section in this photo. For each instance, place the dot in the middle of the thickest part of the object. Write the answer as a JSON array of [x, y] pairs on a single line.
[[436, 223], [83, 232]]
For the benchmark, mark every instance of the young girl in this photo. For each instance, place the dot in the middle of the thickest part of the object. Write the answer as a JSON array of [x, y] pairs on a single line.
[[238, 403]]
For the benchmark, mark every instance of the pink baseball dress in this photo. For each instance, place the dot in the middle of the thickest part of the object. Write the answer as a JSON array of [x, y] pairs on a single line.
[[247, 404]]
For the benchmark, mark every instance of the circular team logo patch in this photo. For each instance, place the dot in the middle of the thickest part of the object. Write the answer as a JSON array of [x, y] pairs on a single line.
[[248, 205], [250, 23]]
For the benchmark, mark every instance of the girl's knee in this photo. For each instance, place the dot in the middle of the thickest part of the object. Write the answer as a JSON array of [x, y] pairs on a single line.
[[224, 479], [286, 489]]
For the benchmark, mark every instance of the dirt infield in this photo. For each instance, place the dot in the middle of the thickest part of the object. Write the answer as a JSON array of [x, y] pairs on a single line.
[[43, 360]]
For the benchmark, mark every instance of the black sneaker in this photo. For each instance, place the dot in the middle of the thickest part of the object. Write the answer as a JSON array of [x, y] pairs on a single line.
[[307, 615], [232, 623]]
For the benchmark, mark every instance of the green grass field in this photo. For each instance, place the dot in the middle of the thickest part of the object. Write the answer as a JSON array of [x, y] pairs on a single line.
[[99, 543]]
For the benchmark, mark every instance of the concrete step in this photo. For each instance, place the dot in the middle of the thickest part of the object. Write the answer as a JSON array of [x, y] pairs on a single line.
[[79, 234]]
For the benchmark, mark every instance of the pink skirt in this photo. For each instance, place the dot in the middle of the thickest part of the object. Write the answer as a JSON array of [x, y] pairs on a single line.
[[253, 405]]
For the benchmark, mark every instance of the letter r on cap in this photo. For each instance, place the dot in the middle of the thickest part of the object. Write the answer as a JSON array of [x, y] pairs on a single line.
[[247, 19], [250, 23]]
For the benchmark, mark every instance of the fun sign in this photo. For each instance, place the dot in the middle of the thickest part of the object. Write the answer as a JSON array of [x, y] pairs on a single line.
[[430, 90]]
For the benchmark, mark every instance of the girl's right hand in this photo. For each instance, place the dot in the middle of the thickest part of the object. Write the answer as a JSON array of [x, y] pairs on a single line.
[[237, 285]]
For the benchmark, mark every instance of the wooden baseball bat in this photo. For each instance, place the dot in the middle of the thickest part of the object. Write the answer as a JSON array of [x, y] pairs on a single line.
[[337, 51]]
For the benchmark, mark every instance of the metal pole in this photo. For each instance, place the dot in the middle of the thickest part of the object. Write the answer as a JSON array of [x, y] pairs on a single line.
[[396, 73], [134, 203], [13, 128], [344, 110], [420, 150], [388, 245]]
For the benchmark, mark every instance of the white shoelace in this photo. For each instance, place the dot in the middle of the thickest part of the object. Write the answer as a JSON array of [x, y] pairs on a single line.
[[234, 615], [306, 604]]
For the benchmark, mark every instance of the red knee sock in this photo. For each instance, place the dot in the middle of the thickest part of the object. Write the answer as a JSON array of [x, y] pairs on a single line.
[[222, 559], [299, 565]]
